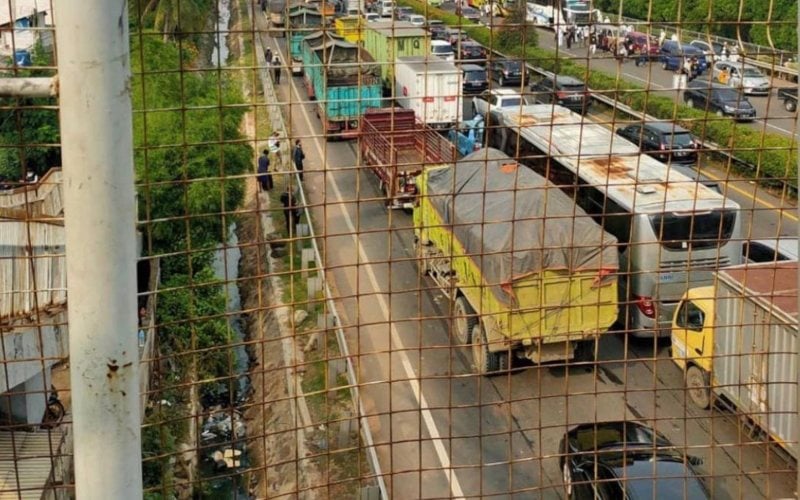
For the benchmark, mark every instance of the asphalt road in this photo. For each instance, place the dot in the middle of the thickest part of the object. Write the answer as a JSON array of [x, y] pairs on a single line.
[[772, 117], [443, 432]]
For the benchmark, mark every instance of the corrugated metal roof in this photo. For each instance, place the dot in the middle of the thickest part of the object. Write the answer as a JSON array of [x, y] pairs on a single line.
[[24, 8], [32, 266], [396, 29], [26, 463]]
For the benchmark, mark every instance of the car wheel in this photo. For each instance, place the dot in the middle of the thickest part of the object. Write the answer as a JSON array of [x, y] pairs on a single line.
[[501, 81], [790, 106], [464, 320], [567, 475], [690, 103], [697, 384]]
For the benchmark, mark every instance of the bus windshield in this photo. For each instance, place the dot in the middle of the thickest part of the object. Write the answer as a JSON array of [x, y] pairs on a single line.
[[679, 231]]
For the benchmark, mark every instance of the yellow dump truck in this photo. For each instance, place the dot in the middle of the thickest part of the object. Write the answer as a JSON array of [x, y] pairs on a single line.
[[737, 342], [528, 272], [350, 28]]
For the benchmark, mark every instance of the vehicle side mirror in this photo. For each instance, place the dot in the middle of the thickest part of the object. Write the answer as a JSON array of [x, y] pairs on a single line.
[[694, 460]]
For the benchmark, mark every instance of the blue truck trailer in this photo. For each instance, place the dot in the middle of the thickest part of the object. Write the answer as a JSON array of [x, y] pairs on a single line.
[[344, 80]]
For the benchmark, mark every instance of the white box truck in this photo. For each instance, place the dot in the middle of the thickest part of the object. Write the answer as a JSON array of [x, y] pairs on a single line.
[[737, 343], [431, 87]]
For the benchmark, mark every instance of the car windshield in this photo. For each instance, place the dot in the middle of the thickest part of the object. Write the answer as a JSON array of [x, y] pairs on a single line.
[[679, 140], [475, 76], [752, 72], [572, 87], [729, 95], [660, 479], [441, 49], [512, 65]]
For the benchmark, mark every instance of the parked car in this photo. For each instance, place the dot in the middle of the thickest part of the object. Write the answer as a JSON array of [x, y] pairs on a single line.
[[469, 13], [564, 91], [417, 20], [474, 79], [770, 250], [617, 460], [789, 97], [491, 99], [721, 99], [443, 50], [507, 72], [665, 141], [713, 50], [470, 50], [643, 42], [673, 54], [743, 76], [437, 29]]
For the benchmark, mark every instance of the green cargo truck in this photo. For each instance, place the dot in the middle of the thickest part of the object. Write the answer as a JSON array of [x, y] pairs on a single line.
[[387, 40], [302, 22], [528, 272]]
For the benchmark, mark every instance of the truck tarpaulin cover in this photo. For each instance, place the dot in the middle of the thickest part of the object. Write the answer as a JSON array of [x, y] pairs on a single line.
[[513, 223], [343, 59]]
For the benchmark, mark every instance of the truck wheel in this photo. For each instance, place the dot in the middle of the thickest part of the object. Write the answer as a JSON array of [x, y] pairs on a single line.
[[464, 320], [584, 352], [664, 65], [486, 362], [790, 105], [501, 81], [698, 386]]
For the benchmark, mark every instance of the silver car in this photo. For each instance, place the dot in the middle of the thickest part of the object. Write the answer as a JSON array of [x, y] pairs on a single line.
[[744, 76]]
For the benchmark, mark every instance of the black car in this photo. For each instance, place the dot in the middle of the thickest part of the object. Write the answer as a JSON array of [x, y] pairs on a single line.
[[720, 99], [664, 141], [469, 50], [626, 460], [507, 72], [564, 91], [437, 29], [475, 79]]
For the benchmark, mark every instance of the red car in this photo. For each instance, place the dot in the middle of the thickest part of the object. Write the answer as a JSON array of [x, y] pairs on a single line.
[[642, 41]]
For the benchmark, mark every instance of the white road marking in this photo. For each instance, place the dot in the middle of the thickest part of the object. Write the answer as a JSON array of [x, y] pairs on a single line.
[[413, 380]]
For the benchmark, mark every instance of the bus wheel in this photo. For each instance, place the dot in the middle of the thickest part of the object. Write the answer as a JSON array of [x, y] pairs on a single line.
[[698, 386]]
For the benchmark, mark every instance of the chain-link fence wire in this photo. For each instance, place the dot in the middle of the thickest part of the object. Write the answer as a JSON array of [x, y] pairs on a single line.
[[504, 282]]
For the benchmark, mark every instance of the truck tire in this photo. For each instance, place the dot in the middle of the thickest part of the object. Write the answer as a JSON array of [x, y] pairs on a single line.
[[790, 105], [484, 361], [464, 320], [698, 387], [585, 352]]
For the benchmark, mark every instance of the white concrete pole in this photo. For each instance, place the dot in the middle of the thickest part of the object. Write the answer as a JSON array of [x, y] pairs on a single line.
[[97, 151]]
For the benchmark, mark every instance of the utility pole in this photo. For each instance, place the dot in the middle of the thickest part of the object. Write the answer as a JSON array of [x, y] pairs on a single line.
[[99, 217]]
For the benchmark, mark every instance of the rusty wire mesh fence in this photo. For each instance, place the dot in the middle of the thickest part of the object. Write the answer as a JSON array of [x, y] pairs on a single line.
[[404, 249]]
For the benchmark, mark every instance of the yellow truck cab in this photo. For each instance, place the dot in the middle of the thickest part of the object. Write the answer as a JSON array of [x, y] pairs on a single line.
[[693, 341], [737, 341]]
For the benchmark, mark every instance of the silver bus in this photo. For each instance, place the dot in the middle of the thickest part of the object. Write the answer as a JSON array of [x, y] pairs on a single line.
[[673, 231]]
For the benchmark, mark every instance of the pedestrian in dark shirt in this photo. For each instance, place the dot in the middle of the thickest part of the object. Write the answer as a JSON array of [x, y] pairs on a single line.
[[291, 213], [268, 55], [264, 176], [299, 156], [276, 68]]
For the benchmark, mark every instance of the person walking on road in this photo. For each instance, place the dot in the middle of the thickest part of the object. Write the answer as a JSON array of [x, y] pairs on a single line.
[[264, 176], [268, 55], [291, 212], [274, 145], [276, 69], [299, 156]]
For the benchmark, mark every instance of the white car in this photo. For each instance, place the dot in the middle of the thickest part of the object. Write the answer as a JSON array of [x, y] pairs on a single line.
[[372, 17], [443, 50], [488, 100], [417, 20], [744, 76]]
